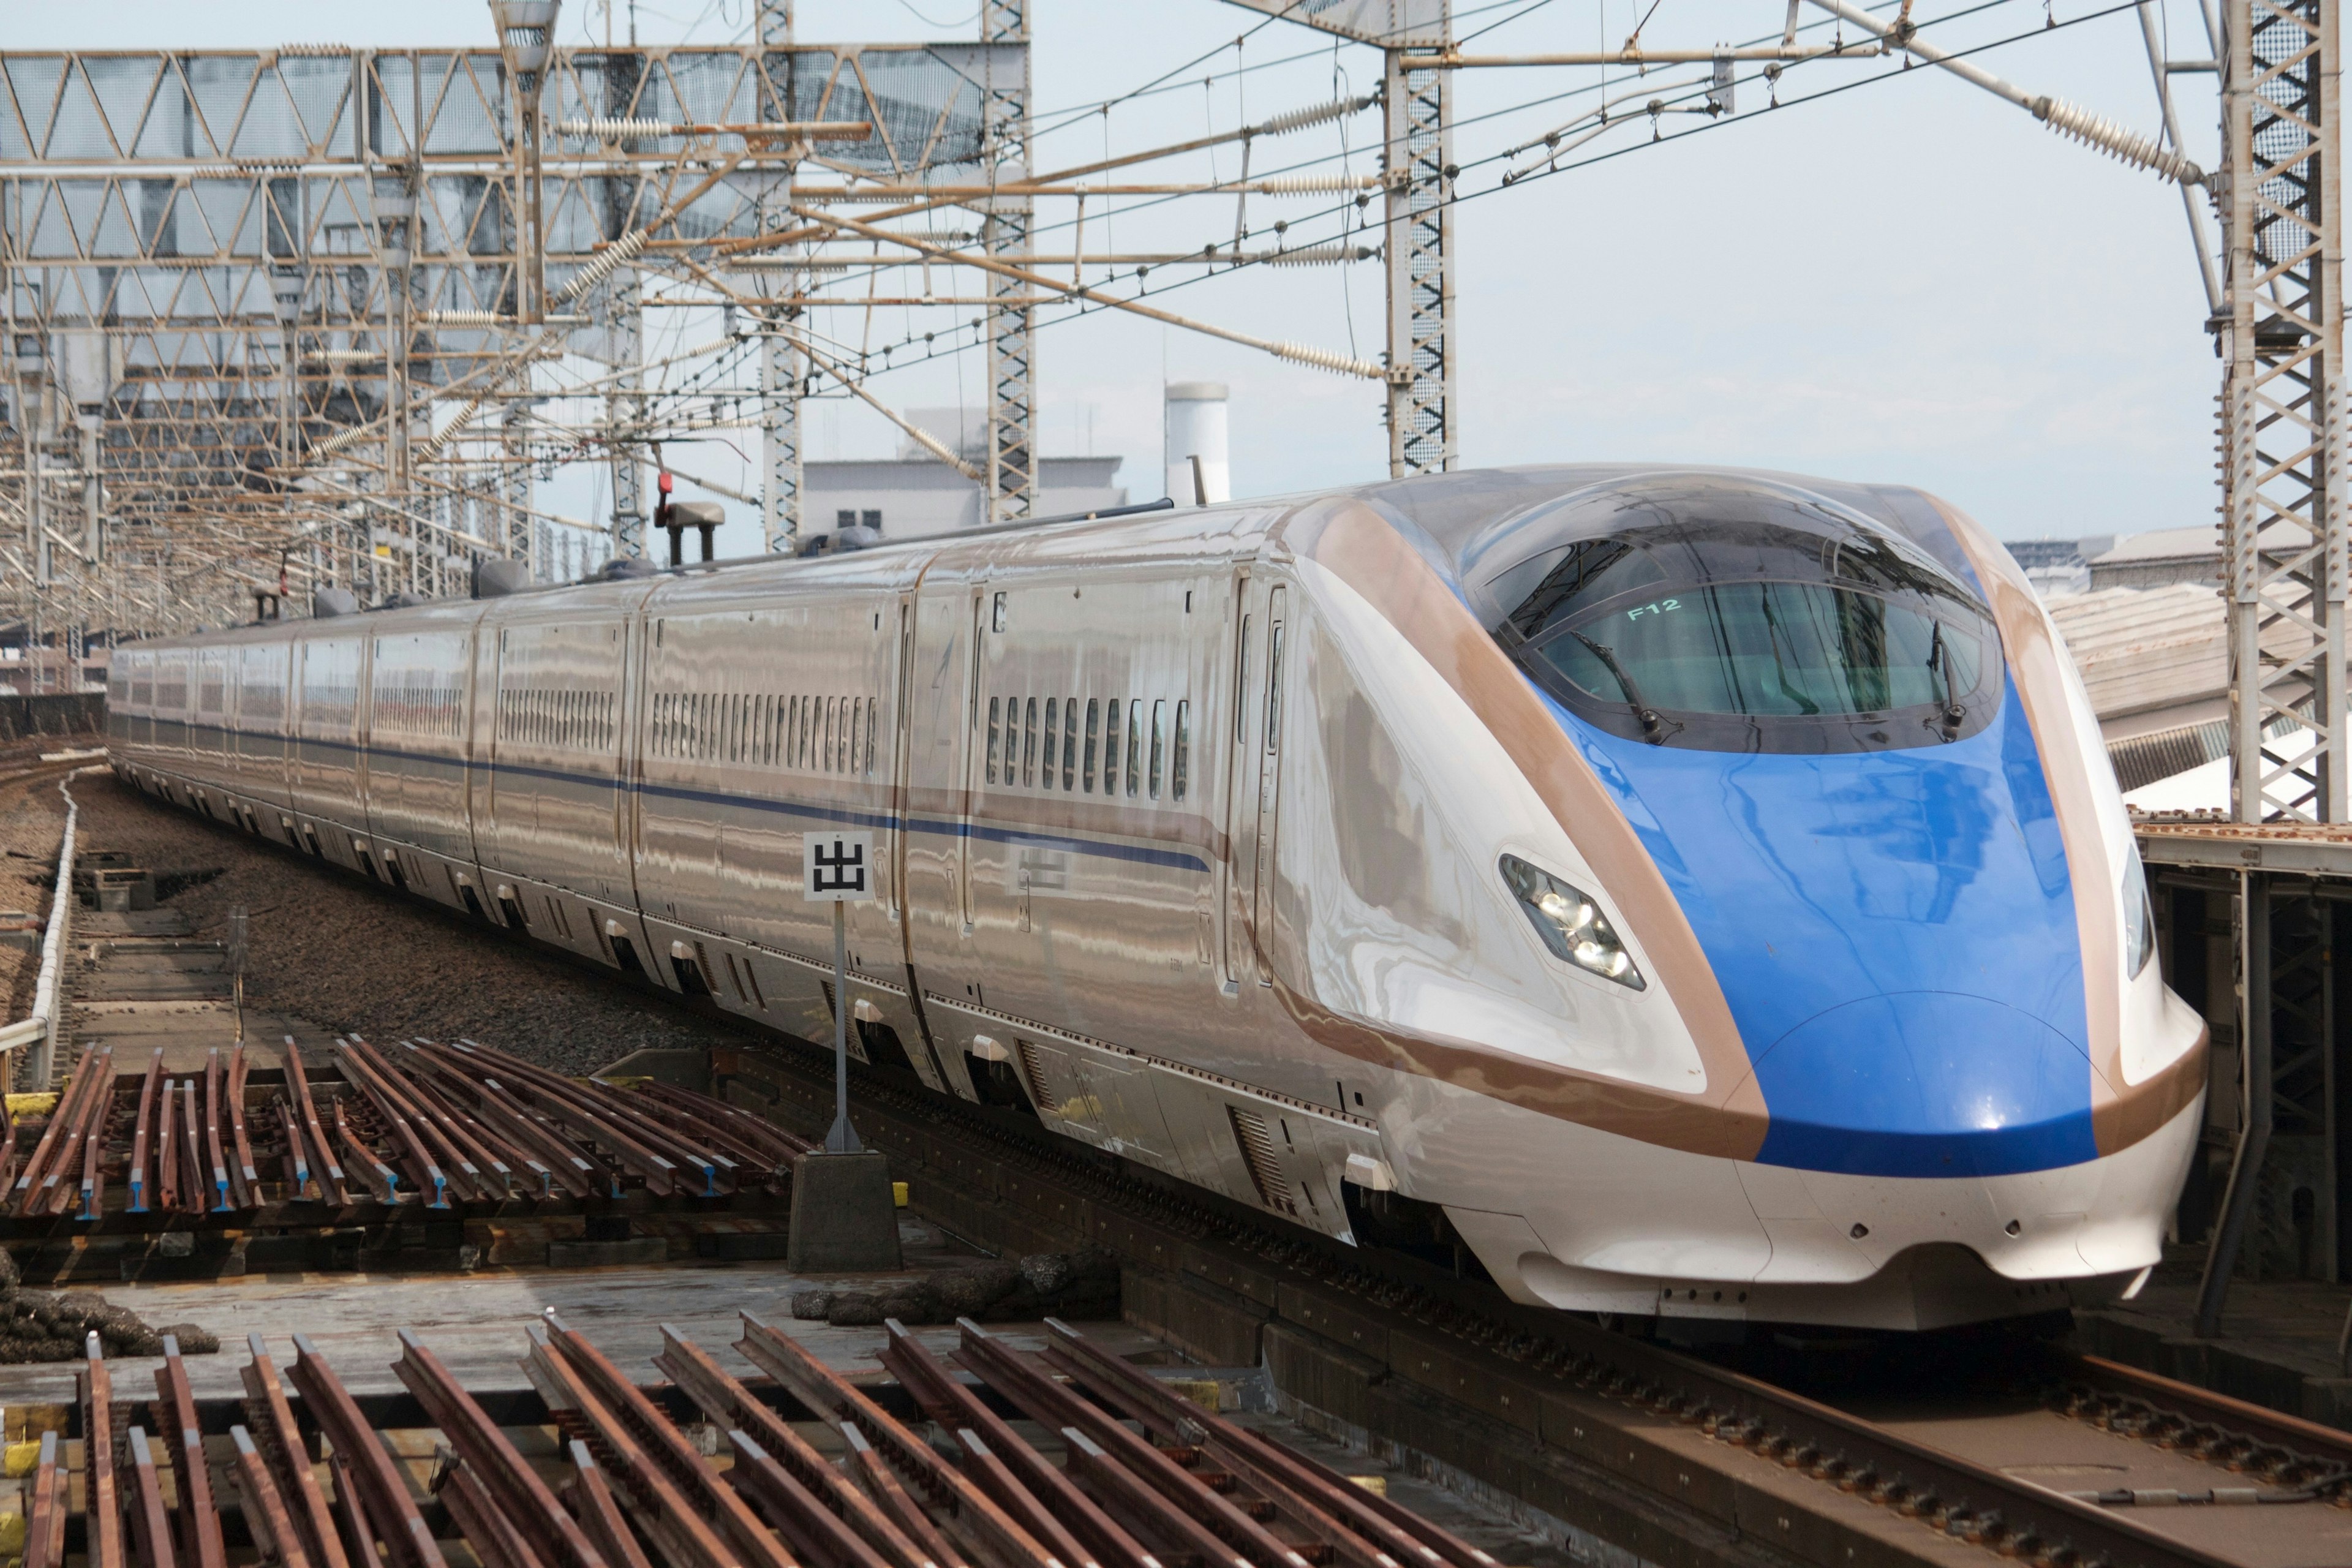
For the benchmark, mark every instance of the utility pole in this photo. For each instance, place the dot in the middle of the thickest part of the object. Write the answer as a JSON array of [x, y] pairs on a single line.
[[1004, 234], [2283, 526], [514, 483], [396, 214], [526, 39], [622, 407], [1414, 37], [780, 357], [1418, 143]]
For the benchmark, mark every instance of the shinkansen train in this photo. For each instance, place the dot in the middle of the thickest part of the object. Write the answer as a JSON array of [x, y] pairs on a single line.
[[1691, 893]]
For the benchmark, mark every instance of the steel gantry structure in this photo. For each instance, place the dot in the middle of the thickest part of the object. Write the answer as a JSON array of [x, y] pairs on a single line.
[[285, 319], [285, 306]]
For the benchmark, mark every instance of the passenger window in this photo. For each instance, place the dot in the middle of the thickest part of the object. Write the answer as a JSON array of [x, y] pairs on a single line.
[[1179, 769], [1029, 746], [1134, 748], [1094, 720], [1111, 748], [1053, 738], [1159, 745], [1070, 743], [994, 705]]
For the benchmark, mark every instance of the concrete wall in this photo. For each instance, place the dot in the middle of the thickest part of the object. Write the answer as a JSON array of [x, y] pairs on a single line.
[[62, 715]]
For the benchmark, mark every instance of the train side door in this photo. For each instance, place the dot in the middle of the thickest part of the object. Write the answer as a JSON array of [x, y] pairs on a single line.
[[1268, 741], [1241, 768]]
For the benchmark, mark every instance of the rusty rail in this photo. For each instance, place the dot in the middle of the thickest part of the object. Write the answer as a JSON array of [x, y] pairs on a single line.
[[741, 1489]]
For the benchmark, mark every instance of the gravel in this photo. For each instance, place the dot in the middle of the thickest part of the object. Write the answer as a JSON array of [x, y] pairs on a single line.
[[350, 956], [31, 815]]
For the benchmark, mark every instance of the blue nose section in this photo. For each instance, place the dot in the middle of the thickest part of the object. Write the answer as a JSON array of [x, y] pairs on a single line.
[[1926, 1084], [1895, 933]]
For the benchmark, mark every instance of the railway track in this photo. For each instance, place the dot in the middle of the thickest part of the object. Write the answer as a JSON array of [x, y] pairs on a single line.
[[2240, 1485], [2007, 1448]]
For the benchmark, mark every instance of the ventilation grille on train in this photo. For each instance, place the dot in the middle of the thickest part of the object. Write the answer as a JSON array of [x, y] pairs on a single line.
[[1035, 1074], [1265, 1161]]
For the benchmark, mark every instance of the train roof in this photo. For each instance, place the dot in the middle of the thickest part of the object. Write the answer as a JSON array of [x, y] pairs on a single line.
[[1450, 510]]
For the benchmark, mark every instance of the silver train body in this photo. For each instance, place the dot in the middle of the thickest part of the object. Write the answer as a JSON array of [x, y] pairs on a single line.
[[1226, 841]]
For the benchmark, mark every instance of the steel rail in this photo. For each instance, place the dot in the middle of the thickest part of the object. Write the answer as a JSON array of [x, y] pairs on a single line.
[[1126, 1494], [811, 1529], [581, 1117], [446, 1164], [424, 1173], [329, 1171], [1044, 1496], [8, 1148], [151, 1522], [1398, 1530], [461, 1132], [167, 1153], [764, 1134], [45, 1510], [490, 1531], [243, 1180], [378, 1505], [378, 1177], [509, 1487], [265, 1508], [39, 1161], [135, 1176], [667, 1446], [668, 1140], [874, 1473], [266, 1518], [2219, 1428], [214, 1155], [521, 1143], [269, 1414], [92, 1186], [1242, 1539], [824, 1390], [680, 1534], [175, 1413], [555, 1143], [731, 1406], [192, 1157], [102, 1505], [592, 1502]]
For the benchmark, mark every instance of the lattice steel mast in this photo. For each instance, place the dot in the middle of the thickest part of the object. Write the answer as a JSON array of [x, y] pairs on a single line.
[[1012, 467], [2283, 527]]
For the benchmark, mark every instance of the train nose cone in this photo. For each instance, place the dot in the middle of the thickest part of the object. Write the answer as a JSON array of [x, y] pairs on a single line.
[[1925, 1083]]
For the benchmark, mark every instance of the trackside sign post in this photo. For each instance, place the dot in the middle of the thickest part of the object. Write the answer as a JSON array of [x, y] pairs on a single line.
[[837, 868]]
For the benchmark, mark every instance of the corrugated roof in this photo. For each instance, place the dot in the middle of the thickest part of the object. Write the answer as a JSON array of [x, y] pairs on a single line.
[[2144, 648]]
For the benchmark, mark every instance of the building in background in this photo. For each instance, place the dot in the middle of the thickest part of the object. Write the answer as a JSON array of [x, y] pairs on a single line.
[[1200, 469], [2058, 565], [915, 494], [2160, 559]]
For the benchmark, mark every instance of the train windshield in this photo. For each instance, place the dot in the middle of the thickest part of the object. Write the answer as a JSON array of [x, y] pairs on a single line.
[[1734, 615]]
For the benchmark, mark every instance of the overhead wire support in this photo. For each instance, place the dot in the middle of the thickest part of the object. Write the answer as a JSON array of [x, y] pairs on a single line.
[[1299, 354]]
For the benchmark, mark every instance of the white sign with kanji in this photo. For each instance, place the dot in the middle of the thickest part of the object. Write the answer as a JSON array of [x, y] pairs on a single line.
[[836, 867]]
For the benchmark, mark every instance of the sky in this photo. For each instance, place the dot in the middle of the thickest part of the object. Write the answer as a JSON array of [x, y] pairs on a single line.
[[1908, 281]]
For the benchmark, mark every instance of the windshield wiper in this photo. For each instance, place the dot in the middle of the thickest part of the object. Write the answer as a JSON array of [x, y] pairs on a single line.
[[1939, 661], [1655, 724]]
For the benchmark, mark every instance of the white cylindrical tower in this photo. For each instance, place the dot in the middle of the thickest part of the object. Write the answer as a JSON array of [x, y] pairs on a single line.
[[1196, 434]]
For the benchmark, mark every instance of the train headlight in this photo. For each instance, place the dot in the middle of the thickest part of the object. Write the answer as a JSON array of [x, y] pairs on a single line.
[[2139, 919], [1570, 924]]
